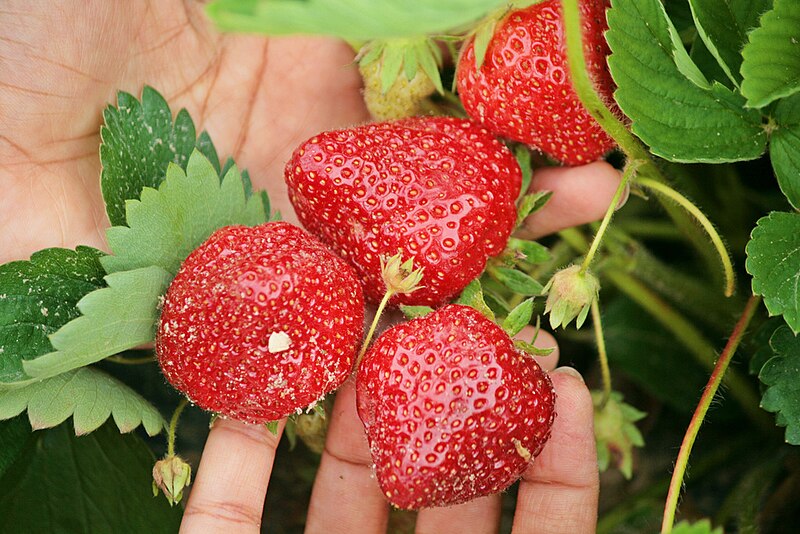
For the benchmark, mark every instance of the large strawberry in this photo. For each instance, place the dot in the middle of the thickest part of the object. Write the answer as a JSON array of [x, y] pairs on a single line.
[[260, 322], [523, 90], [439, 190], [451, 408]]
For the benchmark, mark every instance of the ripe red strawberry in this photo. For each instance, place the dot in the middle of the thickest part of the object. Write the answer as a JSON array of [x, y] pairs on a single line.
[[452, 409], [260, 322], [440, 190], [523, 90]]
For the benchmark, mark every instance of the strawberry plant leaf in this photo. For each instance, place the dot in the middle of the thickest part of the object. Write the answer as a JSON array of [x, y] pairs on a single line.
[[89, 395], [14, 434], [523, 156], [534, 252], [532, 349], [773, 259], [99, 481], [530, 204], [781, 375], [679, 119], [723, 26], [700, 527], [517, 281], [784, 148], [771, 66], [354, 20], [113, 319], [472, 296], [414, 312], [39, 296], [168, 223], [519, 318]]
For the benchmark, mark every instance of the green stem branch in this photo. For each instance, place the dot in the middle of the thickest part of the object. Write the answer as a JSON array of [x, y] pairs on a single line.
[[601, 352], [384, 301], [630, 169], [173, 426], [701, 218], [700, 413]]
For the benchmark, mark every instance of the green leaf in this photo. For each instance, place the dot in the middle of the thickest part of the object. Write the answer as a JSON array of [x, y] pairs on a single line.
[[414, 312], [700, 527], [531, 203], [784, 148], [781, 375], [14, 435], [89, 395], [532, 349], [773, 259], [354, 20], [723, 26], [771, 66], [168, 223], [517, 281], [115, 318], [472, 296], [96, 483], [679, 119], [533, 251], [523, 155], [39, 296], [483, 36], [519, 318]]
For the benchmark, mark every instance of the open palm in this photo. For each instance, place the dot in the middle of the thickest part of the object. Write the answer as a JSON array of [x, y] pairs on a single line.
[[62, 62]]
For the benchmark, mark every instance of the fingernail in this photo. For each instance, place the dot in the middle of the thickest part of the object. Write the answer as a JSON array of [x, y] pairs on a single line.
[[624, 198], [569, 371]]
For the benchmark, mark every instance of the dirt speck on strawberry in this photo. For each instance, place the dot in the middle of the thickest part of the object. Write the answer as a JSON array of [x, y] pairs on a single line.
[[260, 322]]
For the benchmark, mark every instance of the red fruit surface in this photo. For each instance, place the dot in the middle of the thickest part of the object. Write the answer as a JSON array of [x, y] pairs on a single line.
[[451, 408], [222, 337], [523, 89], [439, 189]]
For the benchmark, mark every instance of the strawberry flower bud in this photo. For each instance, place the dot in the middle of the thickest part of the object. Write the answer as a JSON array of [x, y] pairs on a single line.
[[170, 475], [570, 296]]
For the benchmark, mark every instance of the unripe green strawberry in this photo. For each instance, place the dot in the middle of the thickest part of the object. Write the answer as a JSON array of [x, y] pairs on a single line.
[[403, 99]]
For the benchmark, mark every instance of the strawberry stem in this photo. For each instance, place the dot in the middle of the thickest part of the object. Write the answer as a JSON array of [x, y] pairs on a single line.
[[630, 170], [601, 352], [700, 217], [709, 392], [384, 301], [173, 425]]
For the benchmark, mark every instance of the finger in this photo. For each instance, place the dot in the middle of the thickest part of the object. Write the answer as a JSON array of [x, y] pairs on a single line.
[[580, 195], [479, 516], [559, 492], [231, 484], [544, 340], [346, 497]]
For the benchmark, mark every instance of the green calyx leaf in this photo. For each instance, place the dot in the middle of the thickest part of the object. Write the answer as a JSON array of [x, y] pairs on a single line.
[[272, 426], [781, 374], [352, 20], [516, 281], [171, 475], [777, 39], [403, 58], [570, 294], [723, 27], [532, 349], [37, 298], [113, 319], [519, 317], [679, 114], [531, 203], [89, 395], [523, 155], [773, 259], [171, 221], [472, 296], [784, 148], [615, 432], [415, 312]]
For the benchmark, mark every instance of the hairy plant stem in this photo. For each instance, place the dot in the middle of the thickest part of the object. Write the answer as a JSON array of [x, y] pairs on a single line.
[[630, 170], [700, 413], [173, 425], [378, 312], [602, 354], [131, 361], [700, 217]]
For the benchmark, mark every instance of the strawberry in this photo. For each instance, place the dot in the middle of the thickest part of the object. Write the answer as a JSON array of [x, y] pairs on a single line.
[[451, 408], [260, 322], [523, 91], [439, 190]]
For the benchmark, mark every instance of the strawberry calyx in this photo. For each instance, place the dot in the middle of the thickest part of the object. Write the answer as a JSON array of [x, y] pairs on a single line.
[[172, 473], [570, 294], [400, 276]]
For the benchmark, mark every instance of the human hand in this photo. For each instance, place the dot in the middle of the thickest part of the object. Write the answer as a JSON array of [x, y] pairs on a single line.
[[258, 98]]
